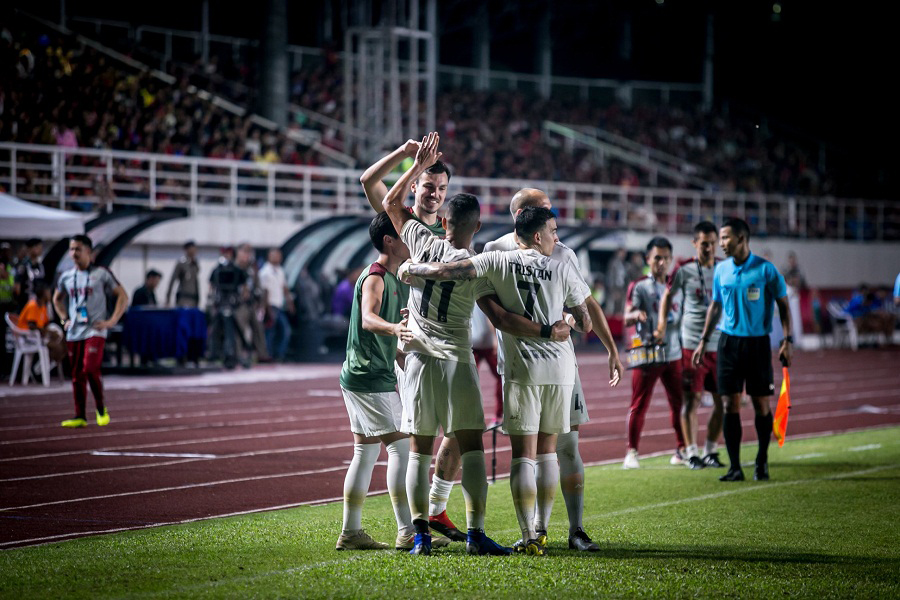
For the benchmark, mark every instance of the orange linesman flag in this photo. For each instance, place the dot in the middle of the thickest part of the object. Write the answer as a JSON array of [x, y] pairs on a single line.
[[779, 425]]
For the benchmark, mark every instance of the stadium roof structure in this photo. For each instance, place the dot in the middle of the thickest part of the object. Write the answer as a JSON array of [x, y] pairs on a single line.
[[20, 219]]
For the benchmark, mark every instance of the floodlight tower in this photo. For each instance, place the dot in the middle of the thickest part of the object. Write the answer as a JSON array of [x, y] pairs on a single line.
[[390, 73]]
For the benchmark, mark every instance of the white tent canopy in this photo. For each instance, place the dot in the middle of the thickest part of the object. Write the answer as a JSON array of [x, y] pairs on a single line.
[[20, 220]]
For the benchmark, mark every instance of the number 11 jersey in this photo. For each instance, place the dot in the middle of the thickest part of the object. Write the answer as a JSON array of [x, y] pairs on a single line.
[[440, 311]]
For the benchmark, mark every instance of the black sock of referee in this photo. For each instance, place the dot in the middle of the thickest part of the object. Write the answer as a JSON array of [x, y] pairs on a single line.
[[733, 434], [764, 434]]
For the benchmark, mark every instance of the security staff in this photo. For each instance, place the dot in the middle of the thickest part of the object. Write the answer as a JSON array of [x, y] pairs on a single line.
[[744, 288]]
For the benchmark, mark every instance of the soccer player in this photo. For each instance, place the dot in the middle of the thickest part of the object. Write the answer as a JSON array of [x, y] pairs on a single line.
[[570, 465], [641, 309], [745, 286], [693, 279], [368, 386], [539, 373], [86, 322], [429, 190], [441, 387]]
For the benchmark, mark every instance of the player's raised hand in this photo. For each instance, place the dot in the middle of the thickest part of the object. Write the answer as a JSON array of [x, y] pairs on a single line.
[[411, 148], [428, 153]]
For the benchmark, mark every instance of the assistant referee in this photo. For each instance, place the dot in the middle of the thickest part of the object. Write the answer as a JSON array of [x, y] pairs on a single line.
[[744, 287]]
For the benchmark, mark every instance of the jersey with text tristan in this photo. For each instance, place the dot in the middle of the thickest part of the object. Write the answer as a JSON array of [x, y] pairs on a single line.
[[695, 282], [538, 287], [561, 252], [440, 311], [87, 292]]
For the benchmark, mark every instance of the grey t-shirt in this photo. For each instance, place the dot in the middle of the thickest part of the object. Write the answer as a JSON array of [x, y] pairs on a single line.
[[87, 292], [695, 283], [645, 294]]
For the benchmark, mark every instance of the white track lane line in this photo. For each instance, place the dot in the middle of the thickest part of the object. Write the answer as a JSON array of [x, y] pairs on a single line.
[[501, 449]]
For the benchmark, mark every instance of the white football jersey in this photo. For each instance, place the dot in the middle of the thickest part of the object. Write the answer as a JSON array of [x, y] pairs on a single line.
[[538, 287], [440, 311], [561, 252]]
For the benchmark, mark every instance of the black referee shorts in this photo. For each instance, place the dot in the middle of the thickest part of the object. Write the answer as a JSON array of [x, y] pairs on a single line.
[[745, 360]]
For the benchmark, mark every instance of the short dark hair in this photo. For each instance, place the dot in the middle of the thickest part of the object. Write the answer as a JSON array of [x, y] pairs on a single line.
[[83, 240], [379, 227], [153, 273], [738, 226], [659, 242], [463, 210], [705, 227], [189, 244], [531, 219], [40, 286], [32, 242], [437, 168]]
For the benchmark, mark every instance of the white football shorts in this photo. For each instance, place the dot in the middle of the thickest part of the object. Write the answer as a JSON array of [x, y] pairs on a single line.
[[440, 394], [373, 413]]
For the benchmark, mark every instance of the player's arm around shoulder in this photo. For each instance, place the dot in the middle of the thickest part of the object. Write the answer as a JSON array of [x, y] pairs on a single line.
[[370, 311], [461, 270]]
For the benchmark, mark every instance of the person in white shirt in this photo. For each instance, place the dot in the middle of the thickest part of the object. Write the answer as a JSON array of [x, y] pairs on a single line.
[[279, 304], [539, 374], [440, 384]]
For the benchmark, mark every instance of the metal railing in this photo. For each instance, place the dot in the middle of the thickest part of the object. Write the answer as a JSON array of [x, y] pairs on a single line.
[[90, 180]]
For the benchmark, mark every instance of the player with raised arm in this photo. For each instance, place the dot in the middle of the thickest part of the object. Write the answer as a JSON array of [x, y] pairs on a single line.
[[539, 375], [441, 384], [570, 466], [429, 190], [694, 279]]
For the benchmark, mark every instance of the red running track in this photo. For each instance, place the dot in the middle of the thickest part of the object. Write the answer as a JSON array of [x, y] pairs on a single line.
[[189, 448]]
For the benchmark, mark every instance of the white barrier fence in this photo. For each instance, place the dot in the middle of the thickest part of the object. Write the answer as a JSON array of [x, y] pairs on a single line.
[[90, 179]]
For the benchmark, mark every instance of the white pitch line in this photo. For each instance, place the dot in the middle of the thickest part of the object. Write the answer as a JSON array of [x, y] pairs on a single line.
[[864, 448], [152, 454], [810, 455]]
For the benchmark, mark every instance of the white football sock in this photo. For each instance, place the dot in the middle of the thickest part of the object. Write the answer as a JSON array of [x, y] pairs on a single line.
[[710, 447], [356, 484], [571, 478], [546, 479], [474, 487], [691, 451], [523, 486], [398, 459], [417, 485], [440, 493]]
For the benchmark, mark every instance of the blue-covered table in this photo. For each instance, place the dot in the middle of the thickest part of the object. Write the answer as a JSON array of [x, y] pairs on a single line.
[[155, 333]]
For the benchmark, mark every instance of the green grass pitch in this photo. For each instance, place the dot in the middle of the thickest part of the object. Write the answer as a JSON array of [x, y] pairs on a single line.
[[827, 525]]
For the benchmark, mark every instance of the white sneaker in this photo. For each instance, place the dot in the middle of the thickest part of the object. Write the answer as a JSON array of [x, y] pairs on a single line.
[[677, 458], [358, 541], [631, 460]]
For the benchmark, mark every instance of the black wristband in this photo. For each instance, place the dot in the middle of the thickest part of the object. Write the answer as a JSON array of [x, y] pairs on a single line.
[[546, 330], [789, 339], [705, 339]]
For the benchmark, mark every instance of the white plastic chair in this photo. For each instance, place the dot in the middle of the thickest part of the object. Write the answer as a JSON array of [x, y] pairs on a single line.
[[28, 343], [843, 326]]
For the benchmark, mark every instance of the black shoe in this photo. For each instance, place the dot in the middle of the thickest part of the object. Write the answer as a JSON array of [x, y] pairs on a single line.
[[712, 460], [761, 472], [694, 462], [733, 475]]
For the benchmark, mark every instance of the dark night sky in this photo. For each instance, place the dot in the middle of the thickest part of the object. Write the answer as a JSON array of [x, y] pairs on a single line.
[[821, 68]]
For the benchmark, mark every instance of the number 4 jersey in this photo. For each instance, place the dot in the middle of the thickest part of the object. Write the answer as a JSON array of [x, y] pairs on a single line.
[[440, 311], [539, 287]]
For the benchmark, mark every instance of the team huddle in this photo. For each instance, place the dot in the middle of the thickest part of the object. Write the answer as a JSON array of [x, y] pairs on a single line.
[[410, 373]]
